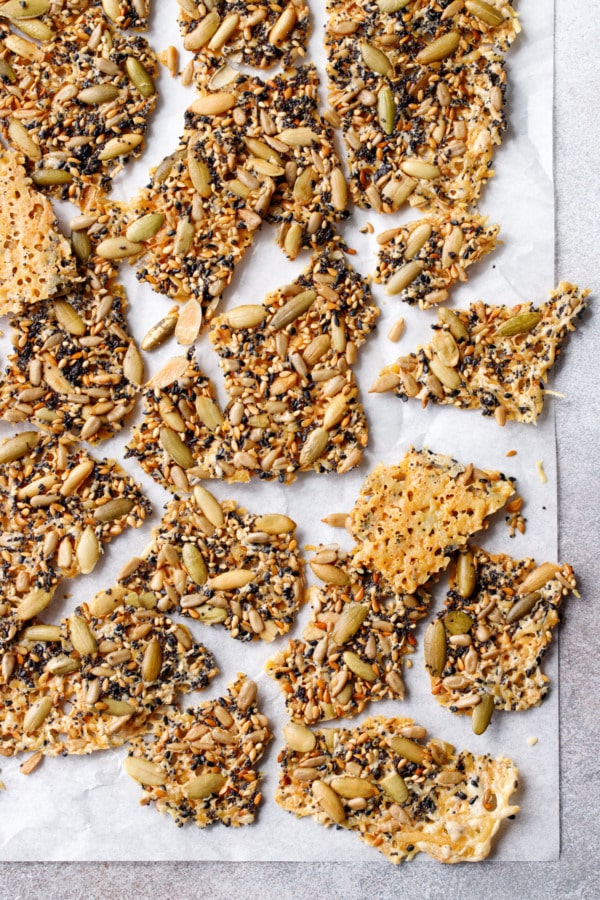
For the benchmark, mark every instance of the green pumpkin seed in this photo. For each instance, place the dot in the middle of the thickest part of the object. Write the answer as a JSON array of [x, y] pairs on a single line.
[[407, 749], [98, 94], [350, 787], [466, 576], [484, 11], [358, 666], [522, 607], [395, 787], [18, 446], [482, 714], [176, 448], [521, 324], [140, 77], [144, 772], [145, 227], [204, 785], [349, 622], [375, 59], [7, 71], [457, 622], [290, 311], [194, 563], [386, 109], [82, 245], [439, 49], [51, 177], [298, 737], [434, 648], [455, 326], [152, 661], [211, 615]]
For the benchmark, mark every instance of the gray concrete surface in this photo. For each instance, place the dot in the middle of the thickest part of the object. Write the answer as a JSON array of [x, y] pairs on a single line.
[[577, 873]]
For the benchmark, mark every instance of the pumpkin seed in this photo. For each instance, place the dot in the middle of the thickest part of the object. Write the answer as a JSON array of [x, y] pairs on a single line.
[[152, 661], [81, 636], [520, 324], [446, 348], [522, 607], [485, 11], [395, 787], [50, 177], [184, 237], [120, 146], [118, 248], [209, 413], [18, 446], [213, 104], [329, 801], [88, 551], [466, 576], [439, 49], [358, 666], [24, 9], [376, 59], [482, 714], [349, 787], [36, 715], [538, 578], [211, 615], [7, 71], [407, 749], [314, 446], [457, 622], [448, 377], [434, 648], [232, 580], [386, 110], [144, 772], [418, 168], [140, 77], [199, 175], [159, 333], [417, 240], [82, 245], [454, 324], [194, 563], [298, 737], [204, 785], [145, 227], [114, 509], [248, 315], [98, 93], [176, 448], [118, 708], [349, 622], [210, 506]]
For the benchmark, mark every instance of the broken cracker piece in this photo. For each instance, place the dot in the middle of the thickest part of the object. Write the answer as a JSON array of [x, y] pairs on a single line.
[[200, 764], [400, 794], [493, 358], [36, 261], [420, 262], [486, 646], [410, 518]]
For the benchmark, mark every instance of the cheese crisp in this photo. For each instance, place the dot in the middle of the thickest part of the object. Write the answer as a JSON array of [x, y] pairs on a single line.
[[400, 794], [221, 565], [93, 682], [200, 765], [493, 358], [410, 518], [36, 260], [497, 625]]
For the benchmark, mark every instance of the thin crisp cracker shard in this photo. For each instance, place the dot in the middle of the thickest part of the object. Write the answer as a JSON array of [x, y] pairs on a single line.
[[493, 358], [199, 765], [506, 611], [36, 260], [401, 794], [409, 518]]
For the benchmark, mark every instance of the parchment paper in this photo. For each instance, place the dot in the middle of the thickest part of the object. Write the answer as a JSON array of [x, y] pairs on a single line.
[[86, 808]]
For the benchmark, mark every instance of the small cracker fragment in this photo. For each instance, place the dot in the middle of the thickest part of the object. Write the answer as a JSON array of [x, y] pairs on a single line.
[[209, 752], [410, 518], [449, 244], [268, 560], [500, 659], [397, 109], [55, 502], [87, 708], [351, 650], [85, 51], [449, 805], [294, 403], [36, 260], [259, 34], [132, 14], [493, 358]]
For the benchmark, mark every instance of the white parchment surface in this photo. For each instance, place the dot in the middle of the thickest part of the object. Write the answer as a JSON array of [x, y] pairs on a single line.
[[86, 808]]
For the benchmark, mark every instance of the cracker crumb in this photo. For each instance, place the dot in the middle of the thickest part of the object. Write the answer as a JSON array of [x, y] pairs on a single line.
[[540, 469], [532, 741], [511, 453]]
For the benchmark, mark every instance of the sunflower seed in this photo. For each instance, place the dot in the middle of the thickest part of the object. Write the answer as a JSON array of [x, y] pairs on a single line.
[[33, 604], [314, 446], [81, 636], [232, 580], [434, 648], [386, 110], [298, 737], [298, 137], [283, 25], [209, 413], [204, 785], [405, 275], [118, 248], [418, 168], [329, 801], [246, 316], [213, 104], [88, 551], [194, 564], [538, 578], [20, 136], [203, 32]]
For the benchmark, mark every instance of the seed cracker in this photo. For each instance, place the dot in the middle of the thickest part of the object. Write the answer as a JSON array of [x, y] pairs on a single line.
[[201, 764], [351, 651], [400, 794], [36, 261], [69, 142], [129, 13], [491, 650], [259, 34], [138, 660], [432, 254], [294, 400], [201, 542], [417, 129], [59, 507], [493, 358], [410, 518]]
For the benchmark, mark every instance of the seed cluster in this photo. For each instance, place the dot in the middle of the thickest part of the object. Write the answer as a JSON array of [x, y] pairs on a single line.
[[93, 682], [258, 34], [78, 103], [199, 765], [293, 396], [400, 794], [221, 565], [420, 261], [493, 358], [419, 89], [59, 505], [485, 649]]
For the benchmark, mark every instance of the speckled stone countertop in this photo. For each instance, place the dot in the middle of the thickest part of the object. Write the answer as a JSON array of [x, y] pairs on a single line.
[[577, 873]]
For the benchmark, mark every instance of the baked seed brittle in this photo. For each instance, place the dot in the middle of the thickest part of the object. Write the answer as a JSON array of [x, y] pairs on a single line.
[[401, 794], [93, 682], [420, 94], [221, 565], [294, 400], [496, 626], [493, 358], [77, 104], [352, 649], [410, 518], [36, 260], [420, 261], [201, 764], [59, 507], [259, 34], [73, 370]]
